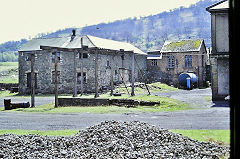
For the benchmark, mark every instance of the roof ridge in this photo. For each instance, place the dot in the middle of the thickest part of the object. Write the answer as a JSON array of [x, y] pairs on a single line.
[[58, 37], [185, 40], [213, 5]]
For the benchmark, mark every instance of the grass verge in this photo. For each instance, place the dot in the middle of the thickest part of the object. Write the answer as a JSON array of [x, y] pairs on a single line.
[[8, 72], [67, 132], [166, 104], [153, 87], [221, 137], [7, 94]]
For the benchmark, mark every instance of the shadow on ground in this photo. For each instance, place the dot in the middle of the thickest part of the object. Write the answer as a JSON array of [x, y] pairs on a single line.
[[220, 104]]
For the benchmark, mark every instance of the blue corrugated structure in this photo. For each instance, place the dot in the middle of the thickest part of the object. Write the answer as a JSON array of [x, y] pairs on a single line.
[[182, 79]]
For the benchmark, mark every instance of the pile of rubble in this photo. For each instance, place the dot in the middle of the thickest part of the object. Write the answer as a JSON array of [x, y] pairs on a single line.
[[110, 139]]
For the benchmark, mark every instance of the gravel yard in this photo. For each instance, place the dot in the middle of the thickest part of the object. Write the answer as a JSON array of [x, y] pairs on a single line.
[[110, 139]]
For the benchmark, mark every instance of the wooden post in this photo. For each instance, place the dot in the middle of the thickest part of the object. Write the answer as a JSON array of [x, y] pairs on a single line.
[[96, 74], [75, 74], [32, 80], [56, 79], [132, 74], [82, 66], [142, 77], [112, 75]]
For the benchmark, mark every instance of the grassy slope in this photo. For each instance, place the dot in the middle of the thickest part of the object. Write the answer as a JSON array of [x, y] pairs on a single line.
[[8, 72]]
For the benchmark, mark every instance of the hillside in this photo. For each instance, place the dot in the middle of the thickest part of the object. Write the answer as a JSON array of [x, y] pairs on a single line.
[[147, 33]]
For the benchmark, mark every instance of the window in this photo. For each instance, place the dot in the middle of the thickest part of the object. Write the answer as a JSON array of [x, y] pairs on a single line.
[[79, 77], [28, 57], [53, 76], [170, 61], [188, 61], [108, 63], [58, 57], [122, 57], [29, 80], [85, 55], [154, 62]]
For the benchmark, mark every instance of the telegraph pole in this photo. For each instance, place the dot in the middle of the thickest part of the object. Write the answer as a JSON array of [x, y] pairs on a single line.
[[32, 80], [75, 74], [55, 79], [96, 74], [112, 75], [81, 66], [132, 73]]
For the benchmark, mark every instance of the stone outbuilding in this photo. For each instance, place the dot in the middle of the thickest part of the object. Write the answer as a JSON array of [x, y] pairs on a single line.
[[178, 57], [77, 54], [219, 57]]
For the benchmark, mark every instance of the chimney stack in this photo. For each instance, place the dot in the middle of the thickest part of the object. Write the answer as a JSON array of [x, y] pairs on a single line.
[[73, 34]]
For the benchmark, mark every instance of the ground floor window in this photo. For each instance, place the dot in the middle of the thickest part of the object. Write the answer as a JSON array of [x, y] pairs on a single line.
[[29, 80], [79, 77], [53, 76]]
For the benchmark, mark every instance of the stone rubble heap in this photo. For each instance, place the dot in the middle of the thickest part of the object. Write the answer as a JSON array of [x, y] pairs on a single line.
[[110, 139]]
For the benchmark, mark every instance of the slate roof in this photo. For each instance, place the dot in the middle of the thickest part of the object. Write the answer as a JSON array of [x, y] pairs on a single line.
[[88, 40], [220, 6], [182, 45], [154, 55]]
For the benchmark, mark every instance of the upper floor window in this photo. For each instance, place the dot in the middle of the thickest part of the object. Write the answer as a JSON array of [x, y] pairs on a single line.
[[85, 55], [154, 62], [58, 57], [188, 61], [122, 57], [170, 61], [108, 63], [28, 57]]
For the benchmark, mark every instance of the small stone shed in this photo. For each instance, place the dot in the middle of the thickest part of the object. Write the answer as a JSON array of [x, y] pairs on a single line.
[[178, 57], [114, 61]]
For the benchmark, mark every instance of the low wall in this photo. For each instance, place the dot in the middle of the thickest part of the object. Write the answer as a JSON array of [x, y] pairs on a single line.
[[82, 102], [102, 102], [8, 86]]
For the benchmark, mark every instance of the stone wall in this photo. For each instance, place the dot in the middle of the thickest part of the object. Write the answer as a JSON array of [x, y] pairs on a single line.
[[8, 86], [162, 73], [44, 67], [219, 58], [220, 77], [102, 102]]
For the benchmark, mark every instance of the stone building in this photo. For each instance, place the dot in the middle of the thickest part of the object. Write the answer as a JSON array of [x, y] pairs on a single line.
[[219, 57], [178, 57], [114, 62]]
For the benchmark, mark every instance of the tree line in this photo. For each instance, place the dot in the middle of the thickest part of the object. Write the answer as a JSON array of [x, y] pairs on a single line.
[[147, 33]]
